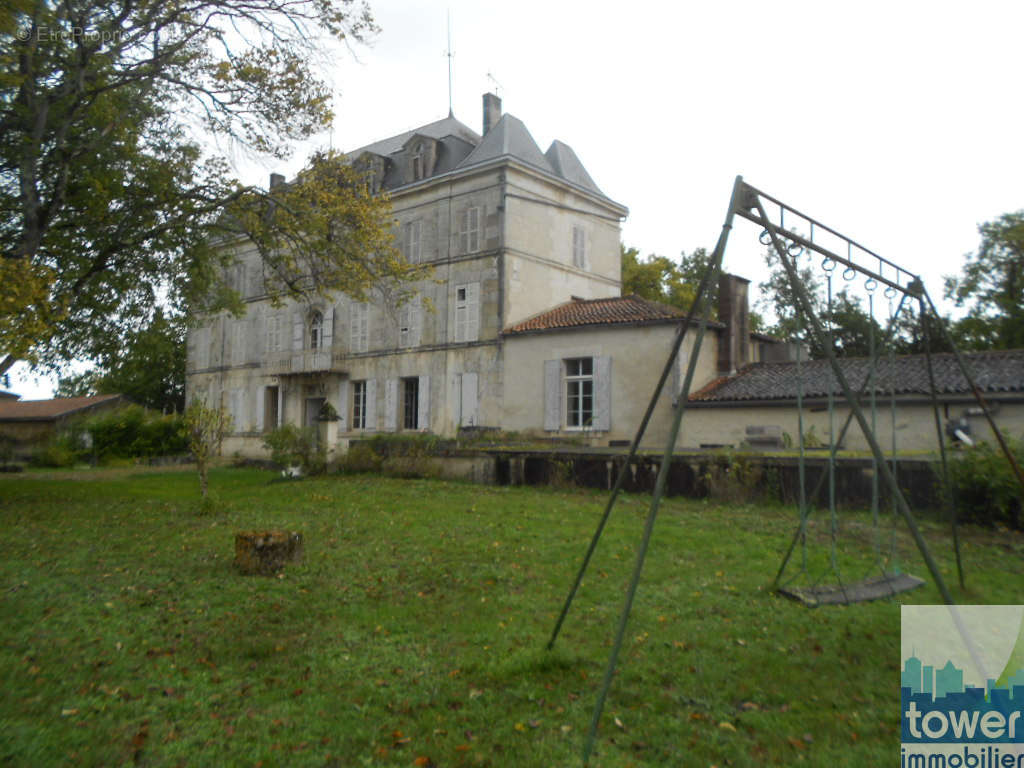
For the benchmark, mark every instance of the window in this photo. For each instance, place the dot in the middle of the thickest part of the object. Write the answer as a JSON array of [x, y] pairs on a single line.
[[271, 412], [274, 323], [413, 252], [359, 335], [579, 392], [417, 164], [579, 248], [467, 312], [238, 341], [410, 403], [409, 323], [469, 232], [358, 405], [316, 331]]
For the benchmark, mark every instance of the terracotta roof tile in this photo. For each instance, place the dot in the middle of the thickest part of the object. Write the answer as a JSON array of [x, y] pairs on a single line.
[[44, 410], [996, 371], [611, 311]]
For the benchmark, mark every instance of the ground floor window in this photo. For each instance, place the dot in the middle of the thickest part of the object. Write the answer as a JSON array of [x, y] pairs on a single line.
[[271, 417], [579, 392], [411, 402], [359, 405]]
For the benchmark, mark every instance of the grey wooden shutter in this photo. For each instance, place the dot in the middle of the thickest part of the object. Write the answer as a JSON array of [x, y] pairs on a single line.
[[343, 406], [602, 393], [391, 405], [297, 331], [260, 406], [327, 329], [552, 395], [423, 403], [371, 404], [473, 312], [468, 400]]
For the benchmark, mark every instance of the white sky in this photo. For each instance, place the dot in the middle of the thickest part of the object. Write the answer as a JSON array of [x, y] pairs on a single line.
[[897, 123]]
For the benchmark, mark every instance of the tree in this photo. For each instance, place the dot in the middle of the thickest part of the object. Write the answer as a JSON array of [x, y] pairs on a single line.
[[149, 369], [992, 287], [205, 428], [115, 194], [849, 324], [658, 278]]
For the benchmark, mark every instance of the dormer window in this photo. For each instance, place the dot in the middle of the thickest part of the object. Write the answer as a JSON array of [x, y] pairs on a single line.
[[316, 330], [417, 163]]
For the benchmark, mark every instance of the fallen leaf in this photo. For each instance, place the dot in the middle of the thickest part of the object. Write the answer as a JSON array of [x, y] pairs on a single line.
[[619, 723], [727, 726]]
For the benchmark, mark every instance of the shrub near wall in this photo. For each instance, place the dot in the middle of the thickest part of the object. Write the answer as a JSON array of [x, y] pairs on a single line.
[[130, 432], [985, 488]]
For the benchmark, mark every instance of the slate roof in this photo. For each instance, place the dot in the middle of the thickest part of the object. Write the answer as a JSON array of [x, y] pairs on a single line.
[[438, 129], [568, 166], [47, 410], [994, 372], [461, 147], [589, 312]]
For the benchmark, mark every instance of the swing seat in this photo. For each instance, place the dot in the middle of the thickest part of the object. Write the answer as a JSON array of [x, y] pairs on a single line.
[[854, 592]]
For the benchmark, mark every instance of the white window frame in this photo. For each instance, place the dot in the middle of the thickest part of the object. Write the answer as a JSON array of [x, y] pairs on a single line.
[[579, 247], [467, 312], [316, 330], [359, 327], [413, 241], [469, 231], [359, 405], [576, 379]]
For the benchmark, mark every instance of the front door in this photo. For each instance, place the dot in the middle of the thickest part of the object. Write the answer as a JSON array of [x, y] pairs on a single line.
[[313, 406]]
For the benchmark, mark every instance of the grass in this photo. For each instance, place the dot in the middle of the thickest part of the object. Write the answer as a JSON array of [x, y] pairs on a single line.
[[413, 632]]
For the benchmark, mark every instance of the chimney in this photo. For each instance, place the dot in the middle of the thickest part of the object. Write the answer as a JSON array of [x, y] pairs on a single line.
[[276, 179], [492, 111], [734, 311]]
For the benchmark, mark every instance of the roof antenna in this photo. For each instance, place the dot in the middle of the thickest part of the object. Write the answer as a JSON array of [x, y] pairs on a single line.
[[497, 85], [450, 54]]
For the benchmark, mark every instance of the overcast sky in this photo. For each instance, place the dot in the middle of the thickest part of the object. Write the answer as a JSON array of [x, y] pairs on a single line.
[[897, 123]]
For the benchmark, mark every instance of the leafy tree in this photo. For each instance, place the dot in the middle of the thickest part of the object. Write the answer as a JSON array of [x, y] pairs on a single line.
[[992, 287], [850, 324], [149, 369], [115, 191], [658, 278]]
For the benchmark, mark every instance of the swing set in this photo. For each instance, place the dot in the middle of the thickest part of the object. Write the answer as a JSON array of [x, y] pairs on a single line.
[[839, 256]]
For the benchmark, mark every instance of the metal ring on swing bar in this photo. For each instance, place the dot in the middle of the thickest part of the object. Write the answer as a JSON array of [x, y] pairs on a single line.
[[765, 237], [794, 248], [870, 285], [827, 264], [849, 273], [890, 292]]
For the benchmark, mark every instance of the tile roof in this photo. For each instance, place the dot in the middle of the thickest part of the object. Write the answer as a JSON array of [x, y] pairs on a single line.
[[995, 372], [45, 410], [586, 312]]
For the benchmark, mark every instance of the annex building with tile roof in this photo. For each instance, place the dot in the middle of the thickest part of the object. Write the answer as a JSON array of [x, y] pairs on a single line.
[[761, 399], [521, 325]]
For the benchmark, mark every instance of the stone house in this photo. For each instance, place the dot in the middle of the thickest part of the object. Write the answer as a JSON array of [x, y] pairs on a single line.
[[521, 326]]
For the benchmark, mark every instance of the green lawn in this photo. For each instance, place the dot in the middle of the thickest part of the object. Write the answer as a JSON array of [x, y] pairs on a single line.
[[413, 633]]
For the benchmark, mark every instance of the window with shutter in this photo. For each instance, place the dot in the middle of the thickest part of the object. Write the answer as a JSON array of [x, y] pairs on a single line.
[[359, 335], [469, 232], [579, 392], [413, 241], [467, 312], [358, 405], [579, 248]]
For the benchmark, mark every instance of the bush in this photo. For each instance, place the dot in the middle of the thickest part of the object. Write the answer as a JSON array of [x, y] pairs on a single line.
[[292, 446], [53, 454], [985, 489], [130, 432]]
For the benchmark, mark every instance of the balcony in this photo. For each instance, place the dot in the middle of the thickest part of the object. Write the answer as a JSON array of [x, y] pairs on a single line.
[[299, 361]]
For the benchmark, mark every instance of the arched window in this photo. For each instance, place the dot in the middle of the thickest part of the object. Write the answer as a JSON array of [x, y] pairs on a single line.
[[316, 330]]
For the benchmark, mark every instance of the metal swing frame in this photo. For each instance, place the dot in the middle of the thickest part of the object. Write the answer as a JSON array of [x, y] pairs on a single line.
[[749, 203]]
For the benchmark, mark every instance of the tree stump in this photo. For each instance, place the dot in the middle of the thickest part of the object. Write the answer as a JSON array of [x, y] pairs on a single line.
[[265, 553]]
